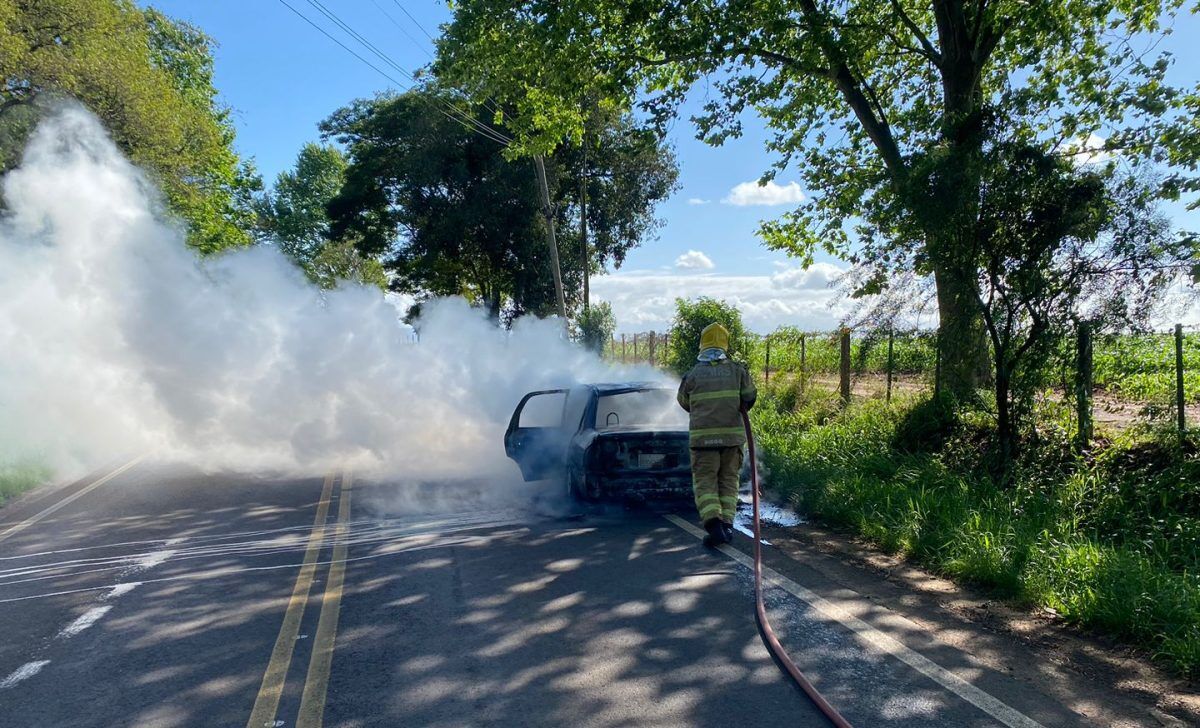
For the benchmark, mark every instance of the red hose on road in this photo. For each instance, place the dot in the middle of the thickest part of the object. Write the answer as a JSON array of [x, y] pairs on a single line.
[[760, 609]]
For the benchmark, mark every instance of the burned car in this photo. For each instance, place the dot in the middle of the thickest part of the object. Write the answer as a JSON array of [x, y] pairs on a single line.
[[606, 441]]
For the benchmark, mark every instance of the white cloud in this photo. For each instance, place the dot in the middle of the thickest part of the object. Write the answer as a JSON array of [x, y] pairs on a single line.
[[694, 260], [645, 300], [752, 193], [698, 201], [1089, 151], [817, 276]]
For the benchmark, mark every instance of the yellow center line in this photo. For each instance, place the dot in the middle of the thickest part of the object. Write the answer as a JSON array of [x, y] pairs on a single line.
[[13, 530], [316, 684], [267, 702]]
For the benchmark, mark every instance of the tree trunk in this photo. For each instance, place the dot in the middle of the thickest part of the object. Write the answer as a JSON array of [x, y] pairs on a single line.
[[1004, 424], [962, 341], [493, 303], [955, 190]]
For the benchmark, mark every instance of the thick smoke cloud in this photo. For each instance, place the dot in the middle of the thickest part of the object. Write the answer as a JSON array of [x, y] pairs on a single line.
[[117, 339]]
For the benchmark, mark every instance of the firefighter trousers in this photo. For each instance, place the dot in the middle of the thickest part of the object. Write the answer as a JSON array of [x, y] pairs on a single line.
[[715, 481]]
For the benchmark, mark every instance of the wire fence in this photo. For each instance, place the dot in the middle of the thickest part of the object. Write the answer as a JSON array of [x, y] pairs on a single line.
[[642, 348], [1116, 379]]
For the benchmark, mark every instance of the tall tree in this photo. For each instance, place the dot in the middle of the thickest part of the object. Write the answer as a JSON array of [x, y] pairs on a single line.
[[1062, 246], [451, 215], [149, 79], [621, 172], [884, 105], [293, 216]]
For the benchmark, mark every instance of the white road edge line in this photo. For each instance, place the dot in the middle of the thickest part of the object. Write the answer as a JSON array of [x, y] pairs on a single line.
[[85, 620], [28, 670], [69, 499], [873, 637]]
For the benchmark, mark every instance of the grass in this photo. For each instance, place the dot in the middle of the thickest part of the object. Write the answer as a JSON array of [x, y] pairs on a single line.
[[1111, 542], [912, 352], [16, 478], [1142, 366]]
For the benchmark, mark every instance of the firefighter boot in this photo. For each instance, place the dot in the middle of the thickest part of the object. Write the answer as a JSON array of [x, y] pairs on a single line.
[[716, 533], [727, 531]]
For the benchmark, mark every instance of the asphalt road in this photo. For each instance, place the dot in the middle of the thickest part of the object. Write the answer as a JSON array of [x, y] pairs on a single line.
[[162, 596]]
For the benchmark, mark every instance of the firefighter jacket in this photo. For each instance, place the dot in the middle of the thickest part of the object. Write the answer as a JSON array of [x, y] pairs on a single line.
[[714, 393]]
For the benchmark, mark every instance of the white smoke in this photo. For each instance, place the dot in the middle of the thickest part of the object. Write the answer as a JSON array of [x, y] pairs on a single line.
[[116, 339]]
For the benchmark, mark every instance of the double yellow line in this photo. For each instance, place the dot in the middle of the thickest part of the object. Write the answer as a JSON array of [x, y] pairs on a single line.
[[316, 683]]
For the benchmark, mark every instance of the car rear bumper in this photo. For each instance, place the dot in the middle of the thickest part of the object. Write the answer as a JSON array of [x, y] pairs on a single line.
[[639, 486]]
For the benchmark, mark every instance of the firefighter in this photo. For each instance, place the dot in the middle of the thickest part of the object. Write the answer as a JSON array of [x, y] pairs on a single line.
[[715, 393]]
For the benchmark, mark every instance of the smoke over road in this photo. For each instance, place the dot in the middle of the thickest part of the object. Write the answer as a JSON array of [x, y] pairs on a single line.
[[117, 339]]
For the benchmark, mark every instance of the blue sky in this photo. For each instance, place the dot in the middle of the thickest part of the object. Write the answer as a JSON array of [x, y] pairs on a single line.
[[282, 77]]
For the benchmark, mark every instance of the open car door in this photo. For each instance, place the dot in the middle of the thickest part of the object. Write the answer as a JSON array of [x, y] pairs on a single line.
[[536, 438]]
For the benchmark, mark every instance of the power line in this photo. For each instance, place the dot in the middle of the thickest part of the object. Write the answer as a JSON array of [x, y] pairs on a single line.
[[403, 30], [488, 103], [487, 131], [415, 21], [345, 47], [455, 114]]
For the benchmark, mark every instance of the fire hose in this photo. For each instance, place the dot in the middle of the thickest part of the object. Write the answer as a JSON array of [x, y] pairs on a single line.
[[772, 643]]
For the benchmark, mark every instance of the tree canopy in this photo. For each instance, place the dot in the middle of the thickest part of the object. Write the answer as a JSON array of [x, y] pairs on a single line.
[[885, 108], [293, 215], [149, 79], [451, 215]]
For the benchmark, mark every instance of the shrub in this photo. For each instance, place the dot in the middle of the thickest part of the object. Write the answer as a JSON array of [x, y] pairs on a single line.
[[691, 316], [596, 326]]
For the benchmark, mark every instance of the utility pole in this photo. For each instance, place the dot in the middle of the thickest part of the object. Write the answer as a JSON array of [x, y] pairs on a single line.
[[540, 164], [583, 228]]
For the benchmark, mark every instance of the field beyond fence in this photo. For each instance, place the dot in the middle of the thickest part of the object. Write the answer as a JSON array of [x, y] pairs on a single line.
[[1134, 377]]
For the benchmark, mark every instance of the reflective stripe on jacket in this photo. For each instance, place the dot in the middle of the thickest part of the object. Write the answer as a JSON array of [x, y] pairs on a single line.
[[713, 393]]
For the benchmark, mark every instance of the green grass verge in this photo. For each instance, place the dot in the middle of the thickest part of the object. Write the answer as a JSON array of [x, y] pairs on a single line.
[[17, 478], [1111, 543]]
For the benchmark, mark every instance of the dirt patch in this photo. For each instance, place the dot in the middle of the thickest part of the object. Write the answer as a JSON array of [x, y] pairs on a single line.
[[1109, 409]]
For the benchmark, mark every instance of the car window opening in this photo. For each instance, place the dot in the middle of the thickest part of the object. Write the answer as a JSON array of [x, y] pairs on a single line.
[[639, 408], [543, 410]]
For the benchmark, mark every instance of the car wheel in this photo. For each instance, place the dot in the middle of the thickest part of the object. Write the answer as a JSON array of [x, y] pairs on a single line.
[[575, 486]]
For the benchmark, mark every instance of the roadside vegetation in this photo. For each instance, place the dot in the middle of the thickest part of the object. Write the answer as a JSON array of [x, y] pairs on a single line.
[[18, 477], [1109, 540]]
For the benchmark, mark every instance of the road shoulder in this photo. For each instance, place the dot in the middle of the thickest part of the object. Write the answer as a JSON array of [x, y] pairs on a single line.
[[1109, 683]]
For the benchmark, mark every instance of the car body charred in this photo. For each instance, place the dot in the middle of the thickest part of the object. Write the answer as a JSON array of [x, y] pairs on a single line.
[[626, 441]]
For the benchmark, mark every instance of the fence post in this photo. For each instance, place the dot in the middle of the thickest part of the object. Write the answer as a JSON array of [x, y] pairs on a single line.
[[802, 371], [1180, 400], [1083, 386], [624, 358], [845, 366], [891, 341], [767, 364], [653, 341]]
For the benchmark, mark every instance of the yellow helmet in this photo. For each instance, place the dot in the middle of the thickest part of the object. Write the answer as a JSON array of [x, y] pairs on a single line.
[[714, 336]]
